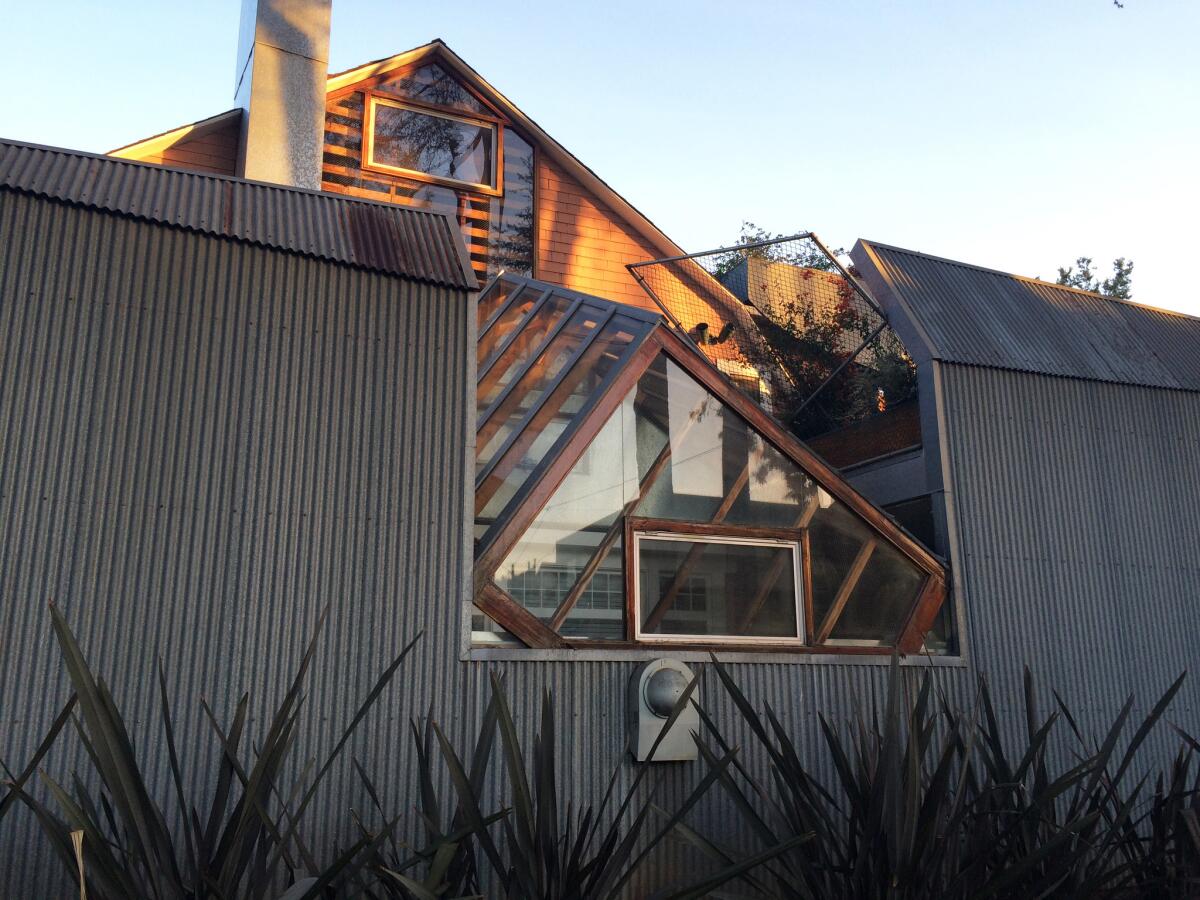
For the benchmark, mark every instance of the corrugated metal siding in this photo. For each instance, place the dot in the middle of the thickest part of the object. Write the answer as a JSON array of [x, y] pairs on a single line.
[[981, 317], [398, 240], [203, 442], [1078, 513]]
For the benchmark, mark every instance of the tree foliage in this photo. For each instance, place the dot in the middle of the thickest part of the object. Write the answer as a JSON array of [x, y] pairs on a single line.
[[1081, 276]]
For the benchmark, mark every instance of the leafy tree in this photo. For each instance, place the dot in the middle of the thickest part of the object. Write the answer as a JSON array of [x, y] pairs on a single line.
[[1120, 285]]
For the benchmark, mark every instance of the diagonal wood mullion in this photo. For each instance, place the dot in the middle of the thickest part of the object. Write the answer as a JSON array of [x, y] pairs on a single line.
[[756, 605], [616, 529], [503, 608], [610, 537], [849, 583]]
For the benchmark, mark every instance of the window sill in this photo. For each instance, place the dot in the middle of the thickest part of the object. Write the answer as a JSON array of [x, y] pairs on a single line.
[[727, 654]]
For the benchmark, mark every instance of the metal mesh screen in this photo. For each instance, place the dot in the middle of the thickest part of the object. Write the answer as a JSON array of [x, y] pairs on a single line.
[[789, 325]]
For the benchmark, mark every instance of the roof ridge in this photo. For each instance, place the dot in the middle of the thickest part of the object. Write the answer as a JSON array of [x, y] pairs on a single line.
[[215, 176], [421, 244], [1039, 281]]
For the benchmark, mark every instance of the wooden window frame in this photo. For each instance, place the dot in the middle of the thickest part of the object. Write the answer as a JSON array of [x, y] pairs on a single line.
[[495, 126], [686, 533], [526, 506]]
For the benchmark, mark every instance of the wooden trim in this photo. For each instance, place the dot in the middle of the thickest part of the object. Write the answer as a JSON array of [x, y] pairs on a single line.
[[351, 80], [764, 645], [849, 583], [929, 603], [515, 618], [631, 587], [806, 585], [342, 84], [715, 530], [714, 380], [369, 164], [535, 419]]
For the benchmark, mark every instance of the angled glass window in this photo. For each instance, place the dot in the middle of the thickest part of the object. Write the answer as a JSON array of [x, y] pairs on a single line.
[[723, 538]]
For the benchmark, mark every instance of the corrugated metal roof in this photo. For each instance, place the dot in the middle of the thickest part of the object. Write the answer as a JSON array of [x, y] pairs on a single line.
[[398, 240], [975, 316]]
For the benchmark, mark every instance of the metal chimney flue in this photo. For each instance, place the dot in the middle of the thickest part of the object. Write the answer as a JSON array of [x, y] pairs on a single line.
[[283, 63]]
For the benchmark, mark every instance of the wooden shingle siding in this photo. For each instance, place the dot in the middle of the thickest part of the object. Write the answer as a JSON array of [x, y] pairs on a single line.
[[581, 244], [215, 151], [585, 246]]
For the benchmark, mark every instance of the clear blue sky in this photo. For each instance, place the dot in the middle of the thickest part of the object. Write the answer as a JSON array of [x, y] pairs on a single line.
[[1016, 135]]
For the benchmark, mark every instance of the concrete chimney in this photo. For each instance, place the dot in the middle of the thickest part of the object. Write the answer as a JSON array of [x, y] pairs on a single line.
[[283, 61]]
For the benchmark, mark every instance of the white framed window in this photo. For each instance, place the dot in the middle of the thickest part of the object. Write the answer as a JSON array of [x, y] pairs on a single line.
[[751, 588]]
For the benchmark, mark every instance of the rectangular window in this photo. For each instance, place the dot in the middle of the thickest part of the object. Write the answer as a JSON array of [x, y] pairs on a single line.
[[434, 146], [716, 589]]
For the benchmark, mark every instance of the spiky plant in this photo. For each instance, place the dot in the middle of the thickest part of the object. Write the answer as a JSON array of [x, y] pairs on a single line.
[[926, 802], [247, 845]]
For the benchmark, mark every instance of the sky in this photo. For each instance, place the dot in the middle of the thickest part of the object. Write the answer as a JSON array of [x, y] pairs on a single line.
[[1016, 135]]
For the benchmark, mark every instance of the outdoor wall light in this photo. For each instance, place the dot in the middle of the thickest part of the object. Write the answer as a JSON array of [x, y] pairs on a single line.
[[654, 690]]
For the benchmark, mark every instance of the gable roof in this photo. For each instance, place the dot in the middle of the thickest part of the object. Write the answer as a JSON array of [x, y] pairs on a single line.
[[967, 314], [437, 50], [398, 240]]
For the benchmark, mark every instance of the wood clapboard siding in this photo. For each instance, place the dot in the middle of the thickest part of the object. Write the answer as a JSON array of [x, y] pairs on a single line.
[[213, 151], [582, 244]]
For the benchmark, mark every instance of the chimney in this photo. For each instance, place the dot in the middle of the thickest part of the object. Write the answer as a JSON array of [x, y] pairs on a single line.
[[283, 62]]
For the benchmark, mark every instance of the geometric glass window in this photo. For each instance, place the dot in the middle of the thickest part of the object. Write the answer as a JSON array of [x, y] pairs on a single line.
[[682, 515]]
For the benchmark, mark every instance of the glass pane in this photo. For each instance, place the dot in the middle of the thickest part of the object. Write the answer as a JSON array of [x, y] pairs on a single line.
[[516, 354], [540, 377], [646, 463], [430, 84], [704, 588], [487, 631], [503, 326], [879, 599], [882, 601], [558, 412], [492, 299], [545, 564], [720, 469], [439, 145], [510, 232]]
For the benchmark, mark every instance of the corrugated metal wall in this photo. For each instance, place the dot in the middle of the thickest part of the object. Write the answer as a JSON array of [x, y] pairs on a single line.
[[1078, 516], [203, 442]]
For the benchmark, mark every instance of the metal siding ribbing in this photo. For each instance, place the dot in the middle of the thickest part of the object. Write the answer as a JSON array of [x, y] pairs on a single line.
[[203, 442], [1076, 505], [382, 237], [981, 317]]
